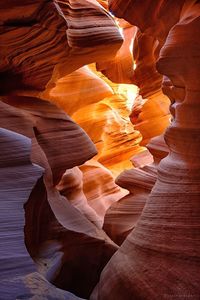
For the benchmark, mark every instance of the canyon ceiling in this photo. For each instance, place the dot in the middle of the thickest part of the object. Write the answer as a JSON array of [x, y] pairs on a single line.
[[99, 149]]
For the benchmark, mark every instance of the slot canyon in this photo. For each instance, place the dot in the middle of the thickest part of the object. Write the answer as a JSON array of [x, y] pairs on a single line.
[[100, 149]]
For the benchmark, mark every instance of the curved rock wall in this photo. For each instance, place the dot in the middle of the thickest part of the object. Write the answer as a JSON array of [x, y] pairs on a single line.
[[150, 112], [160, 258], [38, 47], [46, 36]]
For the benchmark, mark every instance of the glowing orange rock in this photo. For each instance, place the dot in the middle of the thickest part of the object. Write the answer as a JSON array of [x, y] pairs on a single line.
[[112, 133], [150, 113], [120, 69], [78, 89]]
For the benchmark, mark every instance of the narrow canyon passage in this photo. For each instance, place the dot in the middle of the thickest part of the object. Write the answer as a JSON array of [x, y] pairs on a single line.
[[99, 140]]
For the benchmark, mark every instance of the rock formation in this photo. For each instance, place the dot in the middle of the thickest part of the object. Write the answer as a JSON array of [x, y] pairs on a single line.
[[99, 187], [46, 39], [78, 89], [18, 274], [123, 215], [85, 211], [150, 112], [71, 186], [48, 241], [160, 258], [101, 108], [44, 44], [121, 68]]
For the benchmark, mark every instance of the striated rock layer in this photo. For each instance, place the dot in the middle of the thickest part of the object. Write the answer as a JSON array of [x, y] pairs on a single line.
[[121, 68], [150, 112], [99, 187], [160, 258], [52, 36], [102, 109], [40, 42], [122, 216], [18, 274], [54, 228]]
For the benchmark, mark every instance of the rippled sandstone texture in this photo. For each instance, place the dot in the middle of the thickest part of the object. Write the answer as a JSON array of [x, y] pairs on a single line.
[[160, 258], [100, 106], [122, 216], [121, 68], [150, 112], [18, 273], [36, 48], [50, 243], [102, 109], [47, 36], [99, 187]]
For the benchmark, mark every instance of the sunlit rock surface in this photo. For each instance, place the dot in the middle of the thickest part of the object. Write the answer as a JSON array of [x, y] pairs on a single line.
[[78, 89], [107, 123], [150, 112], [121, 68], [102, 109]]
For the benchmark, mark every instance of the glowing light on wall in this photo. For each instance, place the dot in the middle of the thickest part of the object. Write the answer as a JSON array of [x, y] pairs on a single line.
[[121, 31], [130, 92]]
